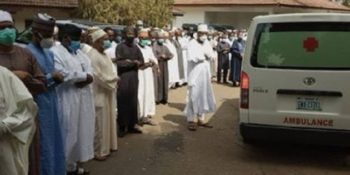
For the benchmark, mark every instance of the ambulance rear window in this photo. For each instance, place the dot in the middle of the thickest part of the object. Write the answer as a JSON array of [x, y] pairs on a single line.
[[302, 45]]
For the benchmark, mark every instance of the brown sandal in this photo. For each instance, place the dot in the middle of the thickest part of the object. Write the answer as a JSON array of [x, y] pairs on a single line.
[[100, 158], [192, 126]]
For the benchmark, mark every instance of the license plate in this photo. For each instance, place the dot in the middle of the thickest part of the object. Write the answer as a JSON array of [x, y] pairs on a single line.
[[308, 104]]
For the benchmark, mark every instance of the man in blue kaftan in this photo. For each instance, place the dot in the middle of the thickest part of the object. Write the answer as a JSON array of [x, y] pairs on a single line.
[[52, 160], [237, 51]]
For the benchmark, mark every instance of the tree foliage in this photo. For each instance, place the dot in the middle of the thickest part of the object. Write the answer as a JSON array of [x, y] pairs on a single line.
[[346, 2], [151, 12]]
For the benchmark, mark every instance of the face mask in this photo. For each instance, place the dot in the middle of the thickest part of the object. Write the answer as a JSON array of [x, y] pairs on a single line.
[[106, 44], [74, 45], [149, 42], [47, 43], [118, 39], [160, 41], [203, 38], [232, 38], [129, 40], [7, 36], [143, 42], [210, 37]]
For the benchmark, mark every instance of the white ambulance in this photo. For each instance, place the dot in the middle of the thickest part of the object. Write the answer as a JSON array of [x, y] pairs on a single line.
[[295, 81]]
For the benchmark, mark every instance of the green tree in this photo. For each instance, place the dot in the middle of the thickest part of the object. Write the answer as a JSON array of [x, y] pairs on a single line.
[[152, 12]]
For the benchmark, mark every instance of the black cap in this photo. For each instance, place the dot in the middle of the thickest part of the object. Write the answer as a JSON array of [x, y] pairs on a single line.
[[70, 30], [129, 30], [44, 22]]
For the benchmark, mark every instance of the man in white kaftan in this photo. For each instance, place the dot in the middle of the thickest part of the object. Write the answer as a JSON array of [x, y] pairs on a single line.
[[146, 95], [17, 124], [184, 41], [75, 98], [200, 96], [110, 52], [173, 65], [104, 88], [214, 62]]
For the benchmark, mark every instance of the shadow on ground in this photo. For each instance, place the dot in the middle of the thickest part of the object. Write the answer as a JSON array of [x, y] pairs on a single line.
[[178, 106]]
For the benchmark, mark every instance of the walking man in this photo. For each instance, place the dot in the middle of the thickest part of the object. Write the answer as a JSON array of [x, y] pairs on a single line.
[[200, 96]]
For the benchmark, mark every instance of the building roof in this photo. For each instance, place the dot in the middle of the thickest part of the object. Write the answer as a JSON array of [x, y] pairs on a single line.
[[318, 4], [42, 3]]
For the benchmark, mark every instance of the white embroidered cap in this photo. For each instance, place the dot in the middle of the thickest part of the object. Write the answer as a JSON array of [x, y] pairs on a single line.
[[5, 16], [203, 28]]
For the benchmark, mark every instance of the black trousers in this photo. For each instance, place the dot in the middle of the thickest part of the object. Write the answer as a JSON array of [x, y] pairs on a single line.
[[222, 75], [223, 66]]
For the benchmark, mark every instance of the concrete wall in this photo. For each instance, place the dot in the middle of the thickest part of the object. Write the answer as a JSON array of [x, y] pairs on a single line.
[[191, 15], [24, 13]]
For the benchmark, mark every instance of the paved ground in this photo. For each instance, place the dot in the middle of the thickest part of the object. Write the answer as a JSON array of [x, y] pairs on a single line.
[[169, 149]]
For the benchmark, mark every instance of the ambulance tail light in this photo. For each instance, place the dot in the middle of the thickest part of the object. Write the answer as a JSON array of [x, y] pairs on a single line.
[[244, 90]]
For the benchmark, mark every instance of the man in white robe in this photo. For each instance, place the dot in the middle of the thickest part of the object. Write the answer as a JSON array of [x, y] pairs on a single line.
[[110, 52], [17, 124], [104, 88], [146, 95], [173, 64], [75, 98], [214, 62], [184, 41], [200, 96]]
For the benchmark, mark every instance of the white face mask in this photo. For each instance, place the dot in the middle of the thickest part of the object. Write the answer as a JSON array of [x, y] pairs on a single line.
[[47, 43], [203, 38]]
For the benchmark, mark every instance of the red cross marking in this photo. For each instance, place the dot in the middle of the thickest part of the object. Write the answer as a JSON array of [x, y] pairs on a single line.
[[311, 44]]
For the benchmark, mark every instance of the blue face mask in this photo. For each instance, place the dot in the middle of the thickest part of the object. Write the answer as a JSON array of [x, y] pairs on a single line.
[[7, 36], [106, 44], [74, 45]]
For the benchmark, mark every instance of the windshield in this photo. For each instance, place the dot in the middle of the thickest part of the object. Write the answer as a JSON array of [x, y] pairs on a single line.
[[323, 45]]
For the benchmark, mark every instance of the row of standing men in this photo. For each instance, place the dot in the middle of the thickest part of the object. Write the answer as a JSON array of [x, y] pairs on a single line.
[[74, 82]]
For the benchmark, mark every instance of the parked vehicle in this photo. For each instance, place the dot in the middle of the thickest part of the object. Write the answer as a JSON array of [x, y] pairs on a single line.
[[295, 79]]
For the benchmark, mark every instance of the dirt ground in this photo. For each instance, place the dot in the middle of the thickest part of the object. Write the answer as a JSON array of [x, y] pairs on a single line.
[[170, 149]]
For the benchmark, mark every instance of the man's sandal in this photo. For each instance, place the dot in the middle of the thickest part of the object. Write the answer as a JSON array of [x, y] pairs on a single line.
[[192, 126], [100, 158], [79, 171], [82, 171]]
